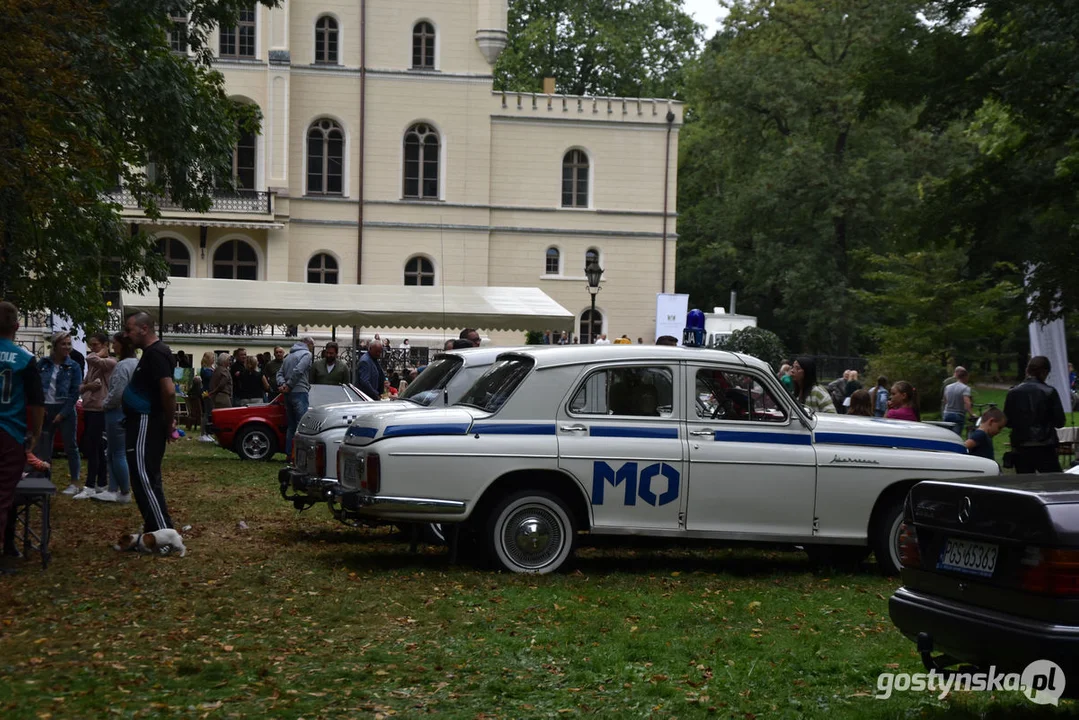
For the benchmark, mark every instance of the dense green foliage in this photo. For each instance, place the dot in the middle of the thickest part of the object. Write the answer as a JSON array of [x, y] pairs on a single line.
[[760, 343], [89, 92], [626, 48], [874, 178]]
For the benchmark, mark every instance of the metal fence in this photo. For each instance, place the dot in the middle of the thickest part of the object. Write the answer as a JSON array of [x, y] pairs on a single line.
[[830, 367]]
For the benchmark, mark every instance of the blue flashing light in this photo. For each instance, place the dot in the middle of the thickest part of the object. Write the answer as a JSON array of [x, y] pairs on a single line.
[[693, 335]]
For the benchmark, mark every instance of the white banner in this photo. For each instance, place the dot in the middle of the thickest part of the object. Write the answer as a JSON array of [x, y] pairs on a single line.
[[671, 312], [1048, 339]]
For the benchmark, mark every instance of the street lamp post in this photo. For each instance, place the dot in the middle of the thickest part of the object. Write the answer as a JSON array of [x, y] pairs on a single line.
[[161, 285], [593, 272]]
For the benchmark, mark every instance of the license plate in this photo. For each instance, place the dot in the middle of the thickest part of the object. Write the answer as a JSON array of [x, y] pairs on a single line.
[[967, 556], [301, 459], [351, 471]]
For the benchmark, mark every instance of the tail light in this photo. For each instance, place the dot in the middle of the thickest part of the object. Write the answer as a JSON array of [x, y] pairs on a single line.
[[909, 554], [372, 479], [320, 459], [1051, 572]]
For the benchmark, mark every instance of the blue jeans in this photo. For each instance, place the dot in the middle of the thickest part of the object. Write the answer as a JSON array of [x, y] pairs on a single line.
[[958, 420], [68, 428], [119, 477], [296, 404]]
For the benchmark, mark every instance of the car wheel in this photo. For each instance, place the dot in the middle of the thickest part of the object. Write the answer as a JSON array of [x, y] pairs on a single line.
[[256, 443], [843, 557], [531, 532], [886, 540]]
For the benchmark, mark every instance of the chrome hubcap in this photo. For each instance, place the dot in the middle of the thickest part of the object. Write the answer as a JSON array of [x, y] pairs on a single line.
[[533, 536]]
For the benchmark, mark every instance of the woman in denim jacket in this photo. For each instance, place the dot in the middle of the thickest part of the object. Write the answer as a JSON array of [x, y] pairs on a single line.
[[60, 380]]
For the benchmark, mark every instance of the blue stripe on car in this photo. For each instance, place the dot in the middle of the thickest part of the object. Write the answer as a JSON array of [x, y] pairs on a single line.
[[762, 437], [361, 432], [513, 429], [633, 432], [890, 442], [433, 429]]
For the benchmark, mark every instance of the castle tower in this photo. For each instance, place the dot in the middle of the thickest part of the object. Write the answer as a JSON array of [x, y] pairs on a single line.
[[491, 31]]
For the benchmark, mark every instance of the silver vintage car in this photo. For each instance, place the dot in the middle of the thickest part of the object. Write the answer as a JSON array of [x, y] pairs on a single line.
[[312, 477]]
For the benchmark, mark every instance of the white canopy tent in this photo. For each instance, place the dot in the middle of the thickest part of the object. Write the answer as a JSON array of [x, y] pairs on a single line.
[[208, 301]]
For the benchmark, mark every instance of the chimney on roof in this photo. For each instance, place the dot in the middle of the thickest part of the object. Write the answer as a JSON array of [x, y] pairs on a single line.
[[548, 86]]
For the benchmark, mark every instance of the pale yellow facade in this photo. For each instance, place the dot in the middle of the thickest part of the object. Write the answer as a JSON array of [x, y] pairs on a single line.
[[499, 204]]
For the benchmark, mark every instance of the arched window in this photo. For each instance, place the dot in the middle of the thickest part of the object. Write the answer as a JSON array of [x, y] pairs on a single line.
[[322, 268], [325, 158], [419, 271], [591, 255], [575, 179], [554, 259], [591, 326], [423, 46], [176, 256], [236, 260], [326, 40], [243, 161], [421, 162]]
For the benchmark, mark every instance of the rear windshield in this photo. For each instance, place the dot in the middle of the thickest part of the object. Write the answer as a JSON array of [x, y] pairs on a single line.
[[432, 381], [496, 385]]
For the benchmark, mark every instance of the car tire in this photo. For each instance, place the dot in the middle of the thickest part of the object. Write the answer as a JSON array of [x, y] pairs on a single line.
[[531, 532], [886, 535], [841, 557], [256, 442]]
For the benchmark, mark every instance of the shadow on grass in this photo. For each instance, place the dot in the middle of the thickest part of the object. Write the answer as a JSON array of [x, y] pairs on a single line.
[[638, 558]]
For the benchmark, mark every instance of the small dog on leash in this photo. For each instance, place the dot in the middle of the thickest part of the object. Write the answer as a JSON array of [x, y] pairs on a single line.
[[159, 542]]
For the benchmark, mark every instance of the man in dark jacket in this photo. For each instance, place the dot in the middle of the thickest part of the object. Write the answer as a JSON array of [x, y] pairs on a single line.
[[1034, 412], [370, 376]]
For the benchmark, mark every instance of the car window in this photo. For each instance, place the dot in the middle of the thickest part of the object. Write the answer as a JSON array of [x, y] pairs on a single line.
[[496, 385], [629, 391], [329, 394], [724, 395], [429, 384]]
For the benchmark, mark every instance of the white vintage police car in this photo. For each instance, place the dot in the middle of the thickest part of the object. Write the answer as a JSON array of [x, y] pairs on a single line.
[[642, 440], [321, 431]]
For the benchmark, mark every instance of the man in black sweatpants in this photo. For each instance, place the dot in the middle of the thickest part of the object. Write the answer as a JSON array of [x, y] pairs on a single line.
[[149, 419]]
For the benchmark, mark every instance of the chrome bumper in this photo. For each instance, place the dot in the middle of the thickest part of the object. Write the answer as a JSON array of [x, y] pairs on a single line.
[[357, 501]]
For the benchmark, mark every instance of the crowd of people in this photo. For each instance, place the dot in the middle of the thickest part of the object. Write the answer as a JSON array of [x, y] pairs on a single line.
[[129, 412]]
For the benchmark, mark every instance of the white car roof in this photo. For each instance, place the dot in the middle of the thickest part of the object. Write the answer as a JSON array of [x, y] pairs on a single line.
[[555, 355]]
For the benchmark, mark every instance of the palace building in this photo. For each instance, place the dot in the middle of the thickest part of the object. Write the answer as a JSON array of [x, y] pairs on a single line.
[[387, 158]]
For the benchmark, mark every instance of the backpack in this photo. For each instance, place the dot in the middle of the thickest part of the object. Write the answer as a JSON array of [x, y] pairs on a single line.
[[835, 389], [880, 400]]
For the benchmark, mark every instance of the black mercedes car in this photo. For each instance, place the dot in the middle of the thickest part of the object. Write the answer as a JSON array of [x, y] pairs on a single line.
[[991, 573]]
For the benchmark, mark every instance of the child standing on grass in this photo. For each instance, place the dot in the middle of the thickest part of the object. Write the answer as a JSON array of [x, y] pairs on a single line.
[[980, 442], [904, 403]]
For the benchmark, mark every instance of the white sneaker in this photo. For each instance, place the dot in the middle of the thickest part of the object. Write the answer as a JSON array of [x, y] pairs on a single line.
[[87, 493], [105, 496], [123, 498], [71, 489], [206, 439]]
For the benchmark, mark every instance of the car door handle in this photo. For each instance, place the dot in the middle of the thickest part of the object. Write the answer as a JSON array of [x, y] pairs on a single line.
[[702, 433], [573, 428]]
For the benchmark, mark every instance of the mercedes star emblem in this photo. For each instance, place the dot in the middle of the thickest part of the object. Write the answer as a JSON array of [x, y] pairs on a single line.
[[964, 509]]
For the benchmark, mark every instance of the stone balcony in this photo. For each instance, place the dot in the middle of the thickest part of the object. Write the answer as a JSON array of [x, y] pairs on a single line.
[[241, 208]]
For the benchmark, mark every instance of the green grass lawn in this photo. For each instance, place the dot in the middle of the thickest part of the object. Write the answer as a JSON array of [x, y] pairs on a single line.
[[298, 616]]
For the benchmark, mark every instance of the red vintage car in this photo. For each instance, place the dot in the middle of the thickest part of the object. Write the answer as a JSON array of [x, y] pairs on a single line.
[[257, 432]]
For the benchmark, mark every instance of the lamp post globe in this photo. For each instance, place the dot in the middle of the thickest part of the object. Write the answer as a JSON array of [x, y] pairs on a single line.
[[593, 272]]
